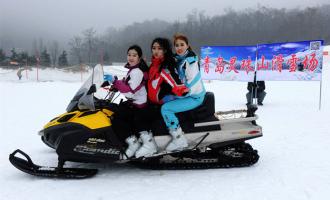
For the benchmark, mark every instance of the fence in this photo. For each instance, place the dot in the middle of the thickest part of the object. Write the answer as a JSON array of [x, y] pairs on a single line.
[[77, 73]]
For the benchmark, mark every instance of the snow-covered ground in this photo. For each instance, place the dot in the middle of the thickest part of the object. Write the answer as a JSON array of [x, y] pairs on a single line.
[[294, 152]]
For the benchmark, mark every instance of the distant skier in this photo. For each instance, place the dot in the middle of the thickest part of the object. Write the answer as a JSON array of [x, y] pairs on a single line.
[[19, 73], [258, 86]]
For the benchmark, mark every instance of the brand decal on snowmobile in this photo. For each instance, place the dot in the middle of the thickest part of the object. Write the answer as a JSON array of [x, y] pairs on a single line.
[[88, 150], [95, 140]]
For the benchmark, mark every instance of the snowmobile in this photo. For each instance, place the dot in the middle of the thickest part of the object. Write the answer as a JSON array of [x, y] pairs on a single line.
[[86, 134]]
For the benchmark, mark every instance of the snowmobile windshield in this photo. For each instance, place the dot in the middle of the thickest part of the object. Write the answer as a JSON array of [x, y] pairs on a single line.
[[84, 98]]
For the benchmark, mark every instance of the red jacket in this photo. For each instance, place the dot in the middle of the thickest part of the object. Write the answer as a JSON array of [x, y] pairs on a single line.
[[157, 78]]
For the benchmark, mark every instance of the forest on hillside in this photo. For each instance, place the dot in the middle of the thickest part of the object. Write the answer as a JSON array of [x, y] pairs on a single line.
[[247, 27]]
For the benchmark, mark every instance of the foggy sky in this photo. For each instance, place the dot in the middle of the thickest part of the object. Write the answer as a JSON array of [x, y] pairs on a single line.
[[62, 19]]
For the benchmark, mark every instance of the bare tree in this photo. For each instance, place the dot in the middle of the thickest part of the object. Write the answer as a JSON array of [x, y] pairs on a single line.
[[34, 47], [76, 46], [54, 51], [41, 45], [89, 42]]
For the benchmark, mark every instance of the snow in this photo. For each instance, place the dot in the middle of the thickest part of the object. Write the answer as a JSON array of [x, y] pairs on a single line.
[[294, 162]]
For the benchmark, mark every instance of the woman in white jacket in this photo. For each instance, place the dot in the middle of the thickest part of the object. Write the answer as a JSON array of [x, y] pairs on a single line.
[[132, 114], [189, 74]]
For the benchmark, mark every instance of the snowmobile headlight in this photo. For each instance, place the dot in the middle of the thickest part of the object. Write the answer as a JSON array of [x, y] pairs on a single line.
[[41, 132]]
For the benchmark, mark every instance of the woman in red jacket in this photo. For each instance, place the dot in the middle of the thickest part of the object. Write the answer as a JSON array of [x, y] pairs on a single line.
[[163, 85], [163, 82]]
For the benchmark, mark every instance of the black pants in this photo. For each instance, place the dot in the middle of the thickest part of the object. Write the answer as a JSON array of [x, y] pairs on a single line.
[[260, 96], [129, 120]]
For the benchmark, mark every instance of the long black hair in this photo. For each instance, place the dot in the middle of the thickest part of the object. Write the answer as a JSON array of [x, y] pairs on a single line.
[[143, 65], [169, 61]]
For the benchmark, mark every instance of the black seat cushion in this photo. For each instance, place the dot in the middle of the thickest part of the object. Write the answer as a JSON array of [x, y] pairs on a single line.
[[203, 113]]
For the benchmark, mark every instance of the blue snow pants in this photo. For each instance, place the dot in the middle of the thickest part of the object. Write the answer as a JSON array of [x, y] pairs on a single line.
[[169, 109]]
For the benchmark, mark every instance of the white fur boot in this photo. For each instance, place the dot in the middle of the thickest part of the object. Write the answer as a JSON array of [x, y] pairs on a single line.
[[133, 146], [149, 145], [178, 142]]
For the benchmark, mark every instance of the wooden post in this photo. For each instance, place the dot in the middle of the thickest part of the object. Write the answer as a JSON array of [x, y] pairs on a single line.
[[38, 60], [81, 72], [26, 68]]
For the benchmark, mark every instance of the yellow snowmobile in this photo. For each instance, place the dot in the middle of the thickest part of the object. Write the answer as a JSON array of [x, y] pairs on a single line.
[[89, 133]]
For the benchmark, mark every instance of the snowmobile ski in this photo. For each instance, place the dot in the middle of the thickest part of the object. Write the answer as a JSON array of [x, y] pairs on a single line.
[[29, 167]]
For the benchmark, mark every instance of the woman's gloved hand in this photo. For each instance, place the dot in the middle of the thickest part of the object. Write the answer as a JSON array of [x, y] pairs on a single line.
[[109, 77], [108, 80], [180, 90]]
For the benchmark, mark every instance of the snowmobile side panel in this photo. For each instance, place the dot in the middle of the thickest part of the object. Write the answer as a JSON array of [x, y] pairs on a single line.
[[91, 119], [86, 146], [227, 134], [226, 121], [75, 142]]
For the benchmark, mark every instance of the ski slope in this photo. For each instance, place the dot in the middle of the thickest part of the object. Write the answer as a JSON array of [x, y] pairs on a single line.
[[294, 151]]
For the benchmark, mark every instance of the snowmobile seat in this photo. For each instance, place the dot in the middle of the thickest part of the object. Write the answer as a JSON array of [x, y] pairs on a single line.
[[203, 113]]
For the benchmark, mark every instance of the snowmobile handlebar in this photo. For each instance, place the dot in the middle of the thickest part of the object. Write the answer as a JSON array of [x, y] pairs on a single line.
[[107, 101]]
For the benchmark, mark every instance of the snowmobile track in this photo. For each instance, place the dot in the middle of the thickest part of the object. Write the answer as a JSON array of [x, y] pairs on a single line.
[[241, 155]]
